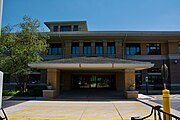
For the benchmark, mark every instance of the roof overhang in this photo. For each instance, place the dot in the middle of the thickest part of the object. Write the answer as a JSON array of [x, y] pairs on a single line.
[[106, 65]]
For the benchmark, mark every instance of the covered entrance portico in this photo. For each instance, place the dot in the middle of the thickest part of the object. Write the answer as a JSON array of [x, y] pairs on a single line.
[[91, 72]]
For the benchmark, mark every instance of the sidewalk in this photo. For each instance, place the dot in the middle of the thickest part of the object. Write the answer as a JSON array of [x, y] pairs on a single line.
[[79, 110]]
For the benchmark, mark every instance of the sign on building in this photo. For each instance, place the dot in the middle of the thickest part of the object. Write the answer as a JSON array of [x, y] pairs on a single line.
[[1, 88]]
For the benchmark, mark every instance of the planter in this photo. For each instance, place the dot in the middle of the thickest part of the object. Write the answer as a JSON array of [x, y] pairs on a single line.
[[132, 88], [49, 87], [132, 94]]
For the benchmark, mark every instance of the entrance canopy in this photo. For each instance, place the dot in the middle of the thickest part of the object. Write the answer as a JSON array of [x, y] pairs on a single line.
[[92, 63]]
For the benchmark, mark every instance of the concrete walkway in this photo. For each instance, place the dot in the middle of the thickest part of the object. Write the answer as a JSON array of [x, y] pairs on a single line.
[[79, 110]]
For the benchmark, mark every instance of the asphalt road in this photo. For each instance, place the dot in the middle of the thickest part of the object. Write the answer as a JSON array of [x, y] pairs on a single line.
[[9, 103], [175, 100]]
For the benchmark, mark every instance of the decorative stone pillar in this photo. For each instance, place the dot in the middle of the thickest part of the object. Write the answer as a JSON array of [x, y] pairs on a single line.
[[129, 78], [67, 48], [105, 48], [93, 48], [81, 48], [173, 47], [118, 46], [51, 28], [143, 48], [53, 76]]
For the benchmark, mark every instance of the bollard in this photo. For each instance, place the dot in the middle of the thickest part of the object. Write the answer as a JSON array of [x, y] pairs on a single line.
[[166, 102]]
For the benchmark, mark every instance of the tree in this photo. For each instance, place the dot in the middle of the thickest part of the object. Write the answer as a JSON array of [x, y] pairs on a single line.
[[18, 49]]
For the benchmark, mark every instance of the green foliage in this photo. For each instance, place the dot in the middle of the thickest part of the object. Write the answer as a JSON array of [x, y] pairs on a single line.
[[32, 91], [18, 49], [10, 92]]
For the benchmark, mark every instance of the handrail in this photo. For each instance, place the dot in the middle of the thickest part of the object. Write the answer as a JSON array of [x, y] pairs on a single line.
[[160, 113], [5, 116]]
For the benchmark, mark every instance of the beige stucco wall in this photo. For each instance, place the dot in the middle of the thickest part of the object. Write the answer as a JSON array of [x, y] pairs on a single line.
[[53, 76]]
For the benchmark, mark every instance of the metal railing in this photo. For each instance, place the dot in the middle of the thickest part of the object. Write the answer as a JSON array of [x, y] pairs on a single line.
[[5, 116], [157, 113]]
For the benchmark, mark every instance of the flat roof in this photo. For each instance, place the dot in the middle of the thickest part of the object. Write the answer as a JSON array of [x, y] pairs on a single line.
[[116, 33], [65, 23]]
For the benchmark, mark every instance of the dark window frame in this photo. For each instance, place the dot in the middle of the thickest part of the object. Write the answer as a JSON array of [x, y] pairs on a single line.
[[153, 49], [133, 49], [99, 48], [75, 49], [55, 49], [75, 28], [55, 28], [66, 28], [179, 48], [111, 49], [87, 49]]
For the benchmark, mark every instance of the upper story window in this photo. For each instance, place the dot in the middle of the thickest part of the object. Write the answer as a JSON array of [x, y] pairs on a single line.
[[75, 28], [133, 49], [55, 29], [55, 49], [179, 48], [65, 28], [75, 48], [99, 48], [87, 48], [153, 49], [111, 48]]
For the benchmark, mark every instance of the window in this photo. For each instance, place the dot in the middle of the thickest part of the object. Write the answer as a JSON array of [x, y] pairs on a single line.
[[65, 28], [55, 29], [87, 48], [55, 49], [153, 49], [111, 49], [99, 48], [179, 48], [155, 80], [138, 80], [75, 28], [75, 48], [133, 49]]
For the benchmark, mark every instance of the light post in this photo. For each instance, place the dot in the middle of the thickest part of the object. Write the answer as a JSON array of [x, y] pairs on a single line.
[[1, 9], [1, 73], [146, 79]]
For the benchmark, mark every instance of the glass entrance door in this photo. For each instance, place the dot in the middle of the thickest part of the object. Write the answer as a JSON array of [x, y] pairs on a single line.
[[93, 81]]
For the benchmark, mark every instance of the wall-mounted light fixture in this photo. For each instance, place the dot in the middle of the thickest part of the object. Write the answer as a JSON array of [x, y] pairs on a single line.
[[175, 61]]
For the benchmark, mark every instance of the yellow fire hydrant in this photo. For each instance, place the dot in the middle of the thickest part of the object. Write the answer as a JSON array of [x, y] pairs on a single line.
[[166, 101]]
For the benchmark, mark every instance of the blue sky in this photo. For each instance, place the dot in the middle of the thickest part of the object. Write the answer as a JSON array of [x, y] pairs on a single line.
[[101, 15]]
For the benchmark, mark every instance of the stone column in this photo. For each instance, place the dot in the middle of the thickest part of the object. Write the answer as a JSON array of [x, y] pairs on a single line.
[[173, 47], [53, 76], [67, 48], [143, 48], [129, 78], [118, 46], [105, 48], [81, 48], [93, 48]]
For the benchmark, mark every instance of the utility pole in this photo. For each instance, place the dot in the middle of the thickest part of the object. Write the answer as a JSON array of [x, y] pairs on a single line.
[[1, 73], [1, 9]]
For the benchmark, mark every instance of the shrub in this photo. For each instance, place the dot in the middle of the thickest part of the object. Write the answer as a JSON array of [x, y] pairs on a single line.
[[10, 92]]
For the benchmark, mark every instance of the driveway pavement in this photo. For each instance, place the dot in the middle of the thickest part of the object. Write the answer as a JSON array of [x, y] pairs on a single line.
[[78, 110], [174, 99]]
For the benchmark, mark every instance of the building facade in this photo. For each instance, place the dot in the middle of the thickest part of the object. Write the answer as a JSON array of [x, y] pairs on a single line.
[[81, 59]]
